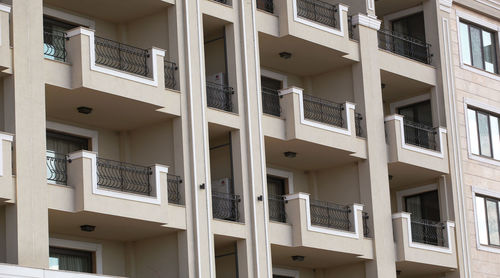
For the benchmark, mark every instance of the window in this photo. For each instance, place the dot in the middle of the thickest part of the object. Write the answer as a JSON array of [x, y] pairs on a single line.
[[478, 47], [71, 260], [487, 211], [484, 135]]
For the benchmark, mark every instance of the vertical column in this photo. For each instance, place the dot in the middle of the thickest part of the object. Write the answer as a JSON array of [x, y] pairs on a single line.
[[27, 221], [373, 172]]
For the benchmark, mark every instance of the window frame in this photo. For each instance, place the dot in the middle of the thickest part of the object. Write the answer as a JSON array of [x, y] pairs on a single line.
[[482, 29], [96, 248], [478, 110], [90, 255]]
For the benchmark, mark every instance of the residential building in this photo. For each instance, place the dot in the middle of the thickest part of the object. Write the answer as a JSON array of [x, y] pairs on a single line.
[[267, 138]]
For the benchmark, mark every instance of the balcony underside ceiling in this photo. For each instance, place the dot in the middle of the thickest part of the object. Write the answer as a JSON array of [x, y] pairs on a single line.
[[116, 11], [398, 87], [405, 174], [106, 226], [313, 258], [109, 111], [385, 7], [307, 59], [310, 156], [411, 270]]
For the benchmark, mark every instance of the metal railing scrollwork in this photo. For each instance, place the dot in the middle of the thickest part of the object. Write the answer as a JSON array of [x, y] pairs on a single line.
[[330, 215], [54, 44], [277, 208], [404, 45], [121, 56], [271, 102], [169, 69], [265, 5], [420, 135], [359, 129], [225, 206], [429, 232], [174, 195], [123, 176], [323, 111], [57, 168], [317, 11], [366, 229], [219, 96]]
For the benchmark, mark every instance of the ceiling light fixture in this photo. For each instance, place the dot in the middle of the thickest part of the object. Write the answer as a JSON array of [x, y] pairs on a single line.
[[298, 258], [87, 228], [290, 154], [84, 110], [286, 55]]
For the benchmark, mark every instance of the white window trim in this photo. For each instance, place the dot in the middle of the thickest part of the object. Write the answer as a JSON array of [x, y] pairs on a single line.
[[277, 76], [395, 105], [474, 103], [480, 22], [286, 272], [4, 137], [93, 135], [400, 14], [283, 174], [80, 245], [69, 17], [485, 192], [400, 195], [338, 32]]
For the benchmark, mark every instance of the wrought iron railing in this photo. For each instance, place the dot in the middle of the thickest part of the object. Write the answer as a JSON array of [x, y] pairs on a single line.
[[266, 5], [429, 232], [169, 69], [404, 45], [350, 27], [226, 2], [123, 176], [225, 206], [317, 11], [330, 215], [277, 208], [174, 194], [366, 229], [54, 44], [121, 56], [271, 102], [420, 135], [324, 111], [359, 128], [57, 170], [219, 96]]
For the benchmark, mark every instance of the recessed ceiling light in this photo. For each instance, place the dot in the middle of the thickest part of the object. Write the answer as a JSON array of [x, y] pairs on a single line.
[[87, 228], [84, 110], [286, 55], [290, 154]]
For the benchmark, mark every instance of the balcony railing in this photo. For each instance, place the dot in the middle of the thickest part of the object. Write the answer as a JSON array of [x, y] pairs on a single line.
[[170, 68], [323, 111], [124, 177], [121, 56], [366, 229], [54, 44], [57, 168], [359, 129], [317, 11], [271, 102], [350, 27], [429, 232], [225, 206], [219, 96], [265, 5], [420, 135], [277, 208], [174, 195], [226, 2], [404, 45], [330, 215]]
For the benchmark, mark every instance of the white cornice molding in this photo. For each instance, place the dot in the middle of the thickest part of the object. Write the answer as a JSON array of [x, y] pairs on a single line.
[[367, 21], [445, 5], [5, 8]]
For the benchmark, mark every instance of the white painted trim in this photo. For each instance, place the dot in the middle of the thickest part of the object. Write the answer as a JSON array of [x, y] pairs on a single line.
[[367, 21], [483, 106], [156, 200], [277, 76], [449, 225], [490, 193], [347, 106], [472, 18], [310, 227], [80, 245], [339, 32], [155, 52], [495, 5], [4, 137], [441, 131], [5, 8], [286, 272], [371, 5], [93, 135], [408, 101], [445, 5], [400, 14], [283, 174], [78, 20], [413, 191]]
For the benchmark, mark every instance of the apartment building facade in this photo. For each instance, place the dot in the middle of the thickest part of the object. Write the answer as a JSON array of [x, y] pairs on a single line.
[[268, 138]]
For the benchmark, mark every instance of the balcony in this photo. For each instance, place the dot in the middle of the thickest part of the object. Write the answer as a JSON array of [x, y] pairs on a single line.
[[404, 45], [321, 229], [88, 64], [108, 187], [219, 96], [266, 5], [418, 151], [225, 206], [277, 210], [310, 119], [7, 184], [5, 45], [423, 248]]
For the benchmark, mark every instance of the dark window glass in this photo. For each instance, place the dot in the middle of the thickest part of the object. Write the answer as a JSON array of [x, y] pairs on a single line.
[[71, 260], [478, 47]]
